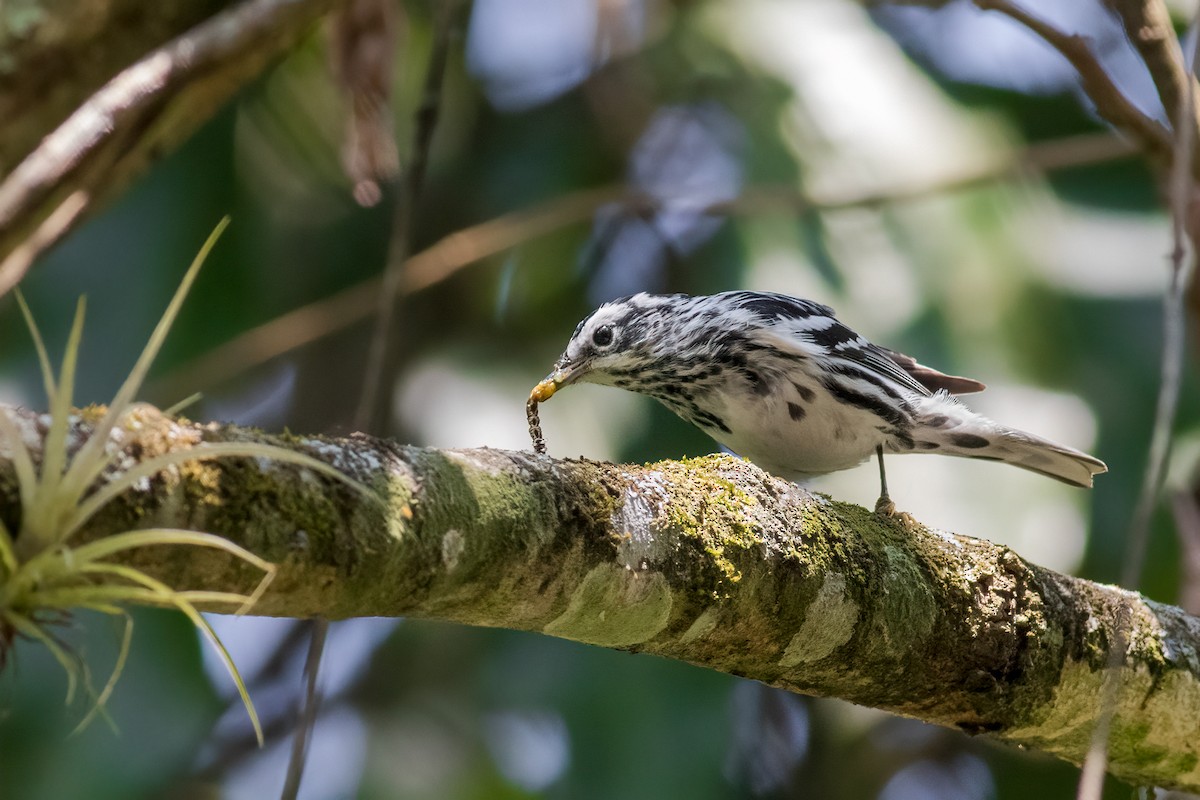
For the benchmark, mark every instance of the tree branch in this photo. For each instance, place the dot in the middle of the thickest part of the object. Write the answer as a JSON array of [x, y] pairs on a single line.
[[469, 245], [1111, 102], [56, 54], [1148, 25], [709, 561], [144, 111]]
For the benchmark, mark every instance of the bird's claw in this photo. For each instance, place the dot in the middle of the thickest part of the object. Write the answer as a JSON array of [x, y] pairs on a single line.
[[884, 507]]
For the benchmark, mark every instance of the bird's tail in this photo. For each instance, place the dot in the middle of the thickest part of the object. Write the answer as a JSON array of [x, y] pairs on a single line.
[[952, 429]]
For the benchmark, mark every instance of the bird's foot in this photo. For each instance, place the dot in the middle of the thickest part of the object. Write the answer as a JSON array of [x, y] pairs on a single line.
[[884, 507]]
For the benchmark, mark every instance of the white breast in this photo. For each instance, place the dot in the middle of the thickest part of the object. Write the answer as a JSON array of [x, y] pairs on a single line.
[[828, 435]]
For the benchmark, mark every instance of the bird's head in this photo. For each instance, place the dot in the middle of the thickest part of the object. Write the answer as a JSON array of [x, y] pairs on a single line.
[[616, 344]]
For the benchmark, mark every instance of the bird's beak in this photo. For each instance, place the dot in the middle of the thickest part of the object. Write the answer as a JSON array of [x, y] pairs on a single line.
[[563, 375]]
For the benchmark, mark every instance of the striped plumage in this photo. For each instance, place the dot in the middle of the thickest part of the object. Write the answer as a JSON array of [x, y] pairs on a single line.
[[781, 382]]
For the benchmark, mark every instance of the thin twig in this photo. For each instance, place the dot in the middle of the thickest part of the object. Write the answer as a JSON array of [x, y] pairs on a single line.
[[1174, 329], [410, 190], [1187, 528], [241, 746], [460, 249], [136, 117], [1181, 187], [410, 186], [307, 718], [238, 746], [1095, 765], [362, 43]]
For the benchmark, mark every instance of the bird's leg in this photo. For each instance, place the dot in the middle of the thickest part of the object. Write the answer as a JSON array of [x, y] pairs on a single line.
[[884, 505]]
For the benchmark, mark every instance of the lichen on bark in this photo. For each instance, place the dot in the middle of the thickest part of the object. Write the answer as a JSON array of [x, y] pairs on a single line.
[[710, 561]]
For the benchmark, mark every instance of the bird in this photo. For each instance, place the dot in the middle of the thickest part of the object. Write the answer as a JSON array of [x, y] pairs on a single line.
[[781, 382]]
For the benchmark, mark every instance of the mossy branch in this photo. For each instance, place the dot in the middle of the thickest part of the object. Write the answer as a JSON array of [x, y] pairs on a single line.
[[709, 561]]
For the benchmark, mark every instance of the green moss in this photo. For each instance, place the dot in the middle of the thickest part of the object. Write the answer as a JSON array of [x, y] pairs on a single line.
[[1128, 743], [284, 512], [711, 515], [840, 537], [1147, 645], [615, 607], [591, 493], [829, 623], [1181, 764], [91, 414]]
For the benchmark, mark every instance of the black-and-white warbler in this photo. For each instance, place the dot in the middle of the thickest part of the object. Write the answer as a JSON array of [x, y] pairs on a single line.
[[781, 382]]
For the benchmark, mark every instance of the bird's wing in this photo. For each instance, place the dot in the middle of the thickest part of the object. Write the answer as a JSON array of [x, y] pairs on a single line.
[[879, 360], [774, 307], [930, 378], [822, 337], [810, 328]]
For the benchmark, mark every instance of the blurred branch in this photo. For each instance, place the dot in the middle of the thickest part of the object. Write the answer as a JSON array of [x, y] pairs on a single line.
[[1148, 26], [1187, 528], [709, 561], [404, 218], [362, 50], [460, 249], [56, 54], [1182, 196], [135, 118], [1111, 102], [1172, 75]]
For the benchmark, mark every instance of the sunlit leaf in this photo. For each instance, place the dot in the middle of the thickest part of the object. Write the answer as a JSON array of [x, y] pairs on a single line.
[[39, 345], [37, 633], [101, 701], [89, 462]]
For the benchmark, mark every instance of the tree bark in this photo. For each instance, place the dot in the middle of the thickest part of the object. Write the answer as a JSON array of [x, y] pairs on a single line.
[[710, 561], [158, 78], [55, 54]]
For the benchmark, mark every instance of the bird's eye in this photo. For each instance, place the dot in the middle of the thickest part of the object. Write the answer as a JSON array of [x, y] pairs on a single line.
[[603, 336]]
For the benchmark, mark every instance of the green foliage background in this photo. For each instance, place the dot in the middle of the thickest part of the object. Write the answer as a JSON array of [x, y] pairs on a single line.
[[631, 726]]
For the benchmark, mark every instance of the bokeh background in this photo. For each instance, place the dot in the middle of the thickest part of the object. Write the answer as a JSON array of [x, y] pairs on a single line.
[[934, 174]]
